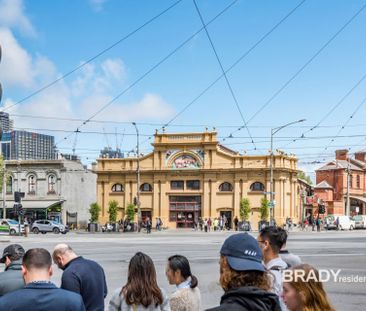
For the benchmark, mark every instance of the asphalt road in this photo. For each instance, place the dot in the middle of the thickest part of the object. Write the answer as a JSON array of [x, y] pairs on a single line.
[[326, 250]]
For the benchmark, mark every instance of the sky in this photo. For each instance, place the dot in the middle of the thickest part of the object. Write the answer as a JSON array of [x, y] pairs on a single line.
[[96, 66]]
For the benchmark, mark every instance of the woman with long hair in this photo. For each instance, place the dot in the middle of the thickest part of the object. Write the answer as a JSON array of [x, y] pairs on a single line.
[[187, 296], [303, 290], [141, 291]]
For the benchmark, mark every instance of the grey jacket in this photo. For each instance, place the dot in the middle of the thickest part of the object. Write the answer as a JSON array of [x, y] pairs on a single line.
[[11, 279]]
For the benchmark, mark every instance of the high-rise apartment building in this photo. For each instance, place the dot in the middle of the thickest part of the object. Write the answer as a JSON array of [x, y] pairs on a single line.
[[6, 125]]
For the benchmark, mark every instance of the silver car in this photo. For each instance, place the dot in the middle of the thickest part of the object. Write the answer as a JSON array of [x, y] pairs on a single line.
[[45, 225]]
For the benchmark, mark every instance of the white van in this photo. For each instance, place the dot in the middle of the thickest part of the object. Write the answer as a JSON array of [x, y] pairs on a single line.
[[345, 222], [360, 221]]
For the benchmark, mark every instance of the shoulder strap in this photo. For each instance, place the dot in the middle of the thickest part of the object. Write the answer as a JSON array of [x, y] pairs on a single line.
[[277, 268]]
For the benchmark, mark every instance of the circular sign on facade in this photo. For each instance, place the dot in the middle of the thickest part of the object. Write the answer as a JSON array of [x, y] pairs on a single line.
[[186, 161]]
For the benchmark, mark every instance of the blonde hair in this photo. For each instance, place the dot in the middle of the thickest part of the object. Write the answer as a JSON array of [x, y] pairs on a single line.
[[311, 292]]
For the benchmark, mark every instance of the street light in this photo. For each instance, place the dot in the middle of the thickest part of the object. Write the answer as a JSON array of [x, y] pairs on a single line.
[[273, 132], [138, 178]]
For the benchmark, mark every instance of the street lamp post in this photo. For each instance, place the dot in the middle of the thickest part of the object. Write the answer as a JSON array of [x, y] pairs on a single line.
[[138, 178], [273, 132]]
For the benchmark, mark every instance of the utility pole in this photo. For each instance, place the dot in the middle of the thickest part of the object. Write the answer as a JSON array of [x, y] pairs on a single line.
[[348, 186], [138, 178], [1, 147]]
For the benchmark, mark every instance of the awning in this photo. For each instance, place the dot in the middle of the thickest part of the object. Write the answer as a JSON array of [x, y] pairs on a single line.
[[30, 204], [362, 199]]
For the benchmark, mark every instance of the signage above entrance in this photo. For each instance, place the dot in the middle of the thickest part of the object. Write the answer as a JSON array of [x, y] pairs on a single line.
[[186, 161]]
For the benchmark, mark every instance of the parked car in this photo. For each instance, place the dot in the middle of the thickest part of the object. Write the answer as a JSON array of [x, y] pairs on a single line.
[[45, 225], [13, 226], [330, 222], [360, 221], [344, 222]]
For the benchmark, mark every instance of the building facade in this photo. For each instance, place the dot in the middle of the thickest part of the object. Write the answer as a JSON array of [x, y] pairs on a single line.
[[332, 180], [6, 124], [54, 189], [191, 175]]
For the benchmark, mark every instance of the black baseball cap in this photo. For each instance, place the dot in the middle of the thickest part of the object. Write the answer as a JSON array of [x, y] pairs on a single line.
[[243, 253], [12, 249]]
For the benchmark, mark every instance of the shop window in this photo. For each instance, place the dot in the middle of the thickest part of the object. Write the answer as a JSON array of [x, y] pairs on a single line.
[[226, 186], [193, 184], [257, 186], [145, 187], [117, 188], [177, 185]]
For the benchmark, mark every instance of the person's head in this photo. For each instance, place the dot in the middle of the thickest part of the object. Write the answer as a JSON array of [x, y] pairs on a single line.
[[62, 255], [241, 263], [36, 265], [178, 270], [270, 240], [305, 293], [13, 252], [141, 287]]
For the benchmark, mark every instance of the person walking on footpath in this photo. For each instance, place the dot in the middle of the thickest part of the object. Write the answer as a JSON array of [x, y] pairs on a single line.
[[82, 276], [243, 277], [39, 294], [270, 240], [141, 292], [236, 222], [12, 278], [187, 296], [305, 293]]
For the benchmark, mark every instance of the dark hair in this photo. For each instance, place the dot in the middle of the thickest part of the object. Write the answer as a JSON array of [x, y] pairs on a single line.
[[141, 287], [37, 258], [230, 278], [275, 236], [181, 263]]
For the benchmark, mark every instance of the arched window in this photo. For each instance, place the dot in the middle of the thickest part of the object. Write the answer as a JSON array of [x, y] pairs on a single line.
[[51, 184], [9, 185], [117, 188], [145, 187], [257, 186], [226, 186], [32, 184]]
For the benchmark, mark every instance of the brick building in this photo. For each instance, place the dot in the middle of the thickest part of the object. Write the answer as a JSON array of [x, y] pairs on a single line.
[[331, 183]]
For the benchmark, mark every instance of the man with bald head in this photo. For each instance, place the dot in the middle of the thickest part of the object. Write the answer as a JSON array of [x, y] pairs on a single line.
[[82, 276]]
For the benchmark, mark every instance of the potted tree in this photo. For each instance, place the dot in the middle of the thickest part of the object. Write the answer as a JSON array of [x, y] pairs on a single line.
[[244, 212], [112, 211], [130, 214], [264, 214], [94, 211]]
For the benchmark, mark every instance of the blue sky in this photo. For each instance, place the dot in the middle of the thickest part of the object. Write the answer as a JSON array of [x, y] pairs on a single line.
[[43, 40]]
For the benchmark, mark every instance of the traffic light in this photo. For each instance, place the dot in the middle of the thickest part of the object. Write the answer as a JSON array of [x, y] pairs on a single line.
[[18, 209], [321, 209], [18, 196]]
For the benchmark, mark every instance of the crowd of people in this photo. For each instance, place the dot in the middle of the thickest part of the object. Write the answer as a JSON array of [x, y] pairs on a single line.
[[251, 275]]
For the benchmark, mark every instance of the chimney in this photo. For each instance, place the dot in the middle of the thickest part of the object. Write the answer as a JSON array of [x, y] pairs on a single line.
[[341, 154], [361, 156]]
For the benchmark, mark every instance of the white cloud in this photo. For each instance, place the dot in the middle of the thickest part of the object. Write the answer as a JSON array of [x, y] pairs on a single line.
[[12, 16], [16, 64], [97, 5]]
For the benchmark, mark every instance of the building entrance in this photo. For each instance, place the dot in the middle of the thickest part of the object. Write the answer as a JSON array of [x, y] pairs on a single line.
[[184, 210], [227, 216]]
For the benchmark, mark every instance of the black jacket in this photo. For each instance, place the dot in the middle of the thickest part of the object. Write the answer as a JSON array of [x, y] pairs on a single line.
[[248, 299], [87, 278], [11, 279]]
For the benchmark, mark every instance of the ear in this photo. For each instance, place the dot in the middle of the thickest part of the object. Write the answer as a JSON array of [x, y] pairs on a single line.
[[24, 271], [50, 271]]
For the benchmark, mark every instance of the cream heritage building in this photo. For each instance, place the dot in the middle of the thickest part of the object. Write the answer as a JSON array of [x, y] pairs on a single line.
[[192, 175]]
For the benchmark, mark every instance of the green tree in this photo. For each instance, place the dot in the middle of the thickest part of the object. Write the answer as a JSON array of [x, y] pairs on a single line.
[[2, 172], [94, 211], [112, 211], [303, 176], [130, 212], [244, 209], [264, 209]]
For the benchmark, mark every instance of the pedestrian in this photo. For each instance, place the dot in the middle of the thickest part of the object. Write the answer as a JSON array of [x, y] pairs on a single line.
[[187, 296], [305, 292], [270, 240], [205, 224], [82, 276], [209, 224], [148, 225], [11, 279], [318, 223], [243, 277], [290, 259], [200, 223], [236, 222], [39, 293], [141, 292]]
